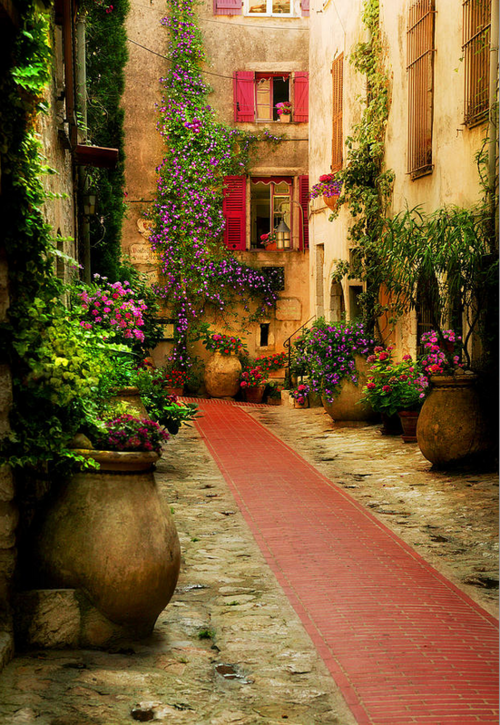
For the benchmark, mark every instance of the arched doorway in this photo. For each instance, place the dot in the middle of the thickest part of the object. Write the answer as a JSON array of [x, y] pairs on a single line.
[[337, 302]]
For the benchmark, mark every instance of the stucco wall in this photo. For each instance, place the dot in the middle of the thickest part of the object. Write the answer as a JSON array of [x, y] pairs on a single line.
[[336, 28]]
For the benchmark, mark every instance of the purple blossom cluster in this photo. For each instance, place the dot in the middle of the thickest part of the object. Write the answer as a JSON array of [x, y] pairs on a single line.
[[327, 186], [188, 222], [325, 353], [127, 433], [112, 306]]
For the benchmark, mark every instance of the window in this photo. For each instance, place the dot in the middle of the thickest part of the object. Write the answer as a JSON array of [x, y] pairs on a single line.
[[269, 204], [420, 54], [269, 7], [256, 95], [337, 138], [476, 53], [271, 201]]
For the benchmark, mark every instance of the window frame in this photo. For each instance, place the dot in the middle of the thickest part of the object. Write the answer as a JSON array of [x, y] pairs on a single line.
[[264, 76], [272, 181], [474, 63]]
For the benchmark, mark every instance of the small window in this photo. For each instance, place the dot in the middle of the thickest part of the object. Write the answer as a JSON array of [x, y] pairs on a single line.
[[270, 202], [264, 334], [476, 53], [269, 7], [269, 91]]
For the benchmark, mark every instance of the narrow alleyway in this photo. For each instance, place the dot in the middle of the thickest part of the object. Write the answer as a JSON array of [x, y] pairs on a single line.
[[403, 643]]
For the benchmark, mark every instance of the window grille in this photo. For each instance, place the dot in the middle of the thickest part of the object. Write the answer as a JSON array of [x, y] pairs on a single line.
[[476, 54], [420, 61], [337, 139]]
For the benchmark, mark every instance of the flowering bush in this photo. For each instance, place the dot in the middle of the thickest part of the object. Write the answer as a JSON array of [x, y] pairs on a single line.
[[113, 307], [301, 393], [284, 108], [437, 361], [271, 363], [162, 407], [253, 377], [127, 433], [225, 344], [173, 378], [327, 186], [325, 353], [394, 386]]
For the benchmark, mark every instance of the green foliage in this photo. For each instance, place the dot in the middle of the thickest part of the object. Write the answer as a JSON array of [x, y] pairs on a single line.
[[105, 62], [160, 406]]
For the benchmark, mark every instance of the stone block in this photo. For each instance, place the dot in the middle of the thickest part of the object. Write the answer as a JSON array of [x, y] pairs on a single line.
[[7, 567], [9, 517], [6, 484], [5, 398], [288, 308]]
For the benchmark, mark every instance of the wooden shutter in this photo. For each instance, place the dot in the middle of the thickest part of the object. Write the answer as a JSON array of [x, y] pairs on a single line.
[[304, 203], [305, 7], [476, 54], [228, 7], [337, 137], [234, 210], [244, 96], [420, 50], [301, 97]]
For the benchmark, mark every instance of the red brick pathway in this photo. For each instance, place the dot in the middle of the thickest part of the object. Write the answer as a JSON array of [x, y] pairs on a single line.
[[402, 642]]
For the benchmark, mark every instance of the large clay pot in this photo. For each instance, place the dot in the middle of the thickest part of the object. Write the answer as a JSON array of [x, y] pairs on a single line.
[[409, 420], [451, 426], [131, 397], [222, 375], [111, 535], [346, 405]]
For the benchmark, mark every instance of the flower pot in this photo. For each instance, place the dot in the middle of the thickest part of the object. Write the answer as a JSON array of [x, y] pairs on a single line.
[[346, 405], [109, 534], [305, 404], [331, 201], [175, 391], [222, 375], [451, 426], [391, 425], [131, 397], [285, 118], [409, 420], [254, 394]]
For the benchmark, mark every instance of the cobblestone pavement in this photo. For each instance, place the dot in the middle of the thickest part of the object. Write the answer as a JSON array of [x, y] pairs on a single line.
[[229, 648]]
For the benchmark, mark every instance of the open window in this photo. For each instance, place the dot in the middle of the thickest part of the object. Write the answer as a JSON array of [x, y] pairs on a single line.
[[270, 203], [270, 89], [256, 96]]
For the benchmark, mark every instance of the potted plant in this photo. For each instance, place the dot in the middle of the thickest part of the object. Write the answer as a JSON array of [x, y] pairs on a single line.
[[395, 388], [451, 426], [273, 364], [253, 384], [329, 188], [333, 357], [301, 396], [108, 532], [223, 369], [284, 111], [273, 393], [174, 381], [269, 241]]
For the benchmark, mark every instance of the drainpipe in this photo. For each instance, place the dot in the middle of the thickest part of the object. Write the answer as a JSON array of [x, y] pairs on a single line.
[[493, 117], [81, 90]]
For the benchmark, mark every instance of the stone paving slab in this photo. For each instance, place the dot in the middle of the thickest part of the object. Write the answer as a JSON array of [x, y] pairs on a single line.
[[228, 611], [374, 608]]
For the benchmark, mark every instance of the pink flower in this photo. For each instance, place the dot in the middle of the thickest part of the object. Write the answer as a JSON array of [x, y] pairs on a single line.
[[383, 356]]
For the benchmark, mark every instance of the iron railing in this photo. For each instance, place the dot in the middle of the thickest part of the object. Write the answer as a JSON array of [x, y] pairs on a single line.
[[288, 344]]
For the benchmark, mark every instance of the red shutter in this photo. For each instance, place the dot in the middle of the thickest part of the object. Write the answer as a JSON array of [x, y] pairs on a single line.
[[234, 209], [228, 7], [304, 203], [244, 95], [301, 97], [305, 7]]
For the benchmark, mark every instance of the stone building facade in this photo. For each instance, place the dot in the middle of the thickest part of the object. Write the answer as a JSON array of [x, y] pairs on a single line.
[[432, 134]]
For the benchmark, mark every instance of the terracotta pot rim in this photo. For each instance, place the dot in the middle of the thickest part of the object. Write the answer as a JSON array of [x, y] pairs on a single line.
[[409, 413], [453, 380], [120, 460]]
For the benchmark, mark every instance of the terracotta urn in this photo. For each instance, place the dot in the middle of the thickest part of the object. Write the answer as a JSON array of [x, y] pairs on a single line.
[[222, 375], [110, 535], [254, 394], [346, 405], [451, 426], [330, 201], [131, 397], [285, 118]]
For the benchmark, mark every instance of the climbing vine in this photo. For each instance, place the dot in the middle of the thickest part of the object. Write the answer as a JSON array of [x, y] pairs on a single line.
[[197, 270], [366, 184]]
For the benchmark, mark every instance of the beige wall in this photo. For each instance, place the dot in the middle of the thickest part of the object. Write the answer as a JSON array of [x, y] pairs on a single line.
[[454, 179]]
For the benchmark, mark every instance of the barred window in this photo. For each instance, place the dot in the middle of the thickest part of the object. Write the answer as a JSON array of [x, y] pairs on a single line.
[[420, 67], [476, 54], [337, 139]]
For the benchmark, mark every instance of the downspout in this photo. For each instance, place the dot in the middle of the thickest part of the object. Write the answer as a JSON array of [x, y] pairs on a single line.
[[81, 90], [493, 120]]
